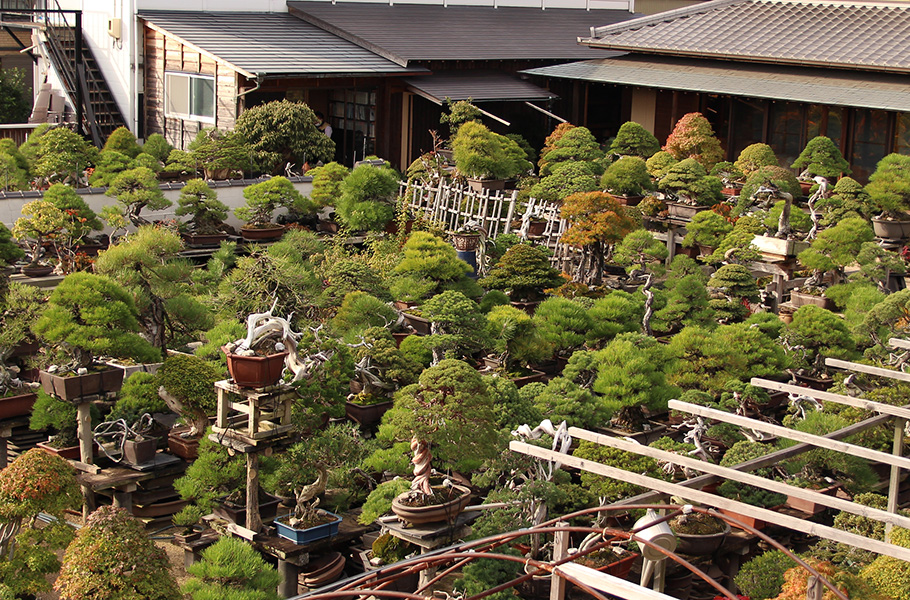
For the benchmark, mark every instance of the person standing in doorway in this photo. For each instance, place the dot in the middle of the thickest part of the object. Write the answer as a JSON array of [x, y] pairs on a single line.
[[321, 124]]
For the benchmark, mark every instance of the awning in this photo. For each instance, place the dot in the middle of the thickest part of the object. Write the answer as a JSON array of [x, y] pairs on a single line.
[[796, 84], [478, 87]]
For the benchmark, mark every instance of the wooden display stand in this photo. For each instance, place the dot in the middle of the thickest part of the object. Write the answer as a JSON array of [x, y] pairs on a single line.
[[430, 536], [253, 415]]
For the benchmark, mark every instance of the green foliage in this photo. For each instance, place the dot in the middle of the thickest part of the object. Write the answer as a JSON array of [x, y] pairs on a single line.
[[200, 202], [483, 154], [727, 172], [215, 473], [822, 157], [231, 569], [483, 574], [263, 198], [136, 189], [563, 323], [157, 146], [457, 325], [891, 576], [49, 412], [627, 177], [367, 198], [707, 228], [29, 148], [61, 155], [686, 303], [327, 183], [613, 490], [390, 549], [564, 400], [799, 220], [122, 140], [81, 219], [693, 137], [618, 312], [631, 373], [641, 251], [524, 271], [149, 266], [148, 161], [19, 308], [325, 390], [427, 262], [819, 334], [530, 153], [359, 311], [889, 317], [450, 409], [191, 381], [112, 558], [566, 179], [762, 577], [352, 274], [41, 220], [634, 140], [689, 180], [509, 407], [12, 176], [379, 502], [845, 555], [15, 103], [491, 299], [837, 246], [754, 157], [224, 331], [414, 349], [28, 572], [460, 112], [214, 152], [889, 185], [779, 177], [735, 282], [513, 335], [89, 315], [737, 245], [279, 132], [138, 396], [659, 164], [847, 199], [576, 145], [741, 452]]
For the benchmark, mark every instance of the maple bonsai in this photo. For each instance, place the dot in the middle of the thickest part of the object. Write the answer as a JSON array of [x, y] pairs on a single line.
[[596, 223], [693, 137]]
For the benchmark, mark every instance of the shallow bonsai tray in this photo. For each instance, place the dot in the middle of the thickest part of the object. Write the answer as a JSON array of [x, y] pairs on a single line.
[[311, 534]]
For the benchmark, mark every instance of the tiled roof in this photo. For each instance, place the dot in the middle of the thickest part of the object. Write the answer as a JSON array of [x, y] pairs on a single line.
[[419, 32], [883, 91], [271, 43], [477, 87], [824, 33]]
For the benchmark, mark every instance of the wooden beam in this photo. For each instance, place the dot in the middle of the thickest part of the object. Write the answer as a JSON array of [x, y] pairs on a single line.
[[666, 487], [870, 405], [868, 369], [791, 434], [899, 343], [747, 478], [607, 583]]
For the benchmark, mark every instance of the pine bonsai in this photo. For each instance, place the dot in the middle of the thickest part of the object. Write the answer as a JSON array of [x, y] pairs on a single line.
[[41, 222], [525, 272], [200, 202], [660, 163], [188, 386], [81, 219], [816, 334], [836, 248], [563, 323], [263, 198], [112, 558], [754, 157], [368, 198], [231, 569], [515, 339], [157, 146], [122, 140], [889, 186], [62, 155], [707, 228], [689, 180], [456, 325], [136, 189], [566, 179], [327, 183], [110, 163], [821, 157], [634, 140], [428, 265], [282, 132], [483, 154]]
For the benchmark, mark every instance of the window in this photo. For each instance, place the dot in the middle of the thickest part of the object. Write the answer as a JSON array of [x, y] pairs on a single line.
[[190, 96]]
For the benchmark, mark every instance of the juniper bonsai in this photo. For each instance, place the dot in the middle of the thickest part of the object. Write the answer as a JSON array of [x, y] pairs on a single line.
[[524, 272], [634, 140]]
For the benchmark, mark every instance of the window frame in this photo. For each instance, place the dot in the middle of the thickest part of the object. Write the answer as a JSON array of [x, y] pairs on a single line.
[[188, 116]]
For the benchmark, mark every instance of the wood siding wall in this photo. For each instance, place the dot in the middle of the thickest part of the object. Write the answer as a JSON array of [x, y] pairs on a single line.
[[164, 54]]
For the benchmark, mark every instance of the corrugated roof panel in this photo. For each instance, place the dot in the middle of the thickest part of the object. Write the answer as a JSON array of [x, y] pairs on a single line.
[[271, 43], [811, 85], [839, 34], [411, 32]]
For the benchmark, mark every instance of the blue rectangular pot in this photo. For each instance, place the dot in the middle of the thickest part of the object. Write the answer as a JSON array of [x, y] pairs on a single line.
[[305, 536]]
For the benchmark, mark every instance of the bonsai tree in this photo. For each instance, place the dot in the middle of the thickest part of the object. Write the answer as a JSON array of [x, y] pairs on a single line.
[[563, 323], [122, 140], [776, 177], [213, 475], [263, 198], [483, 154], [566, 179], [641, 253], [686, 299], [42, 221], [109, 164], [524, 272], [381, 367], [216, 153], [693, 137], [327, 183], [148, 265], [596, 223], [816, 334], [762, 577], [821, 157], [735, 286], [690, 182], [359, 311], [513, 336], [836, 248], [659, 164], [367, 198], [550, 142], [90, 315], [12, 175], [282, 132], [157, 146], [231, 569], [460, 112], [456, 325], [36, 482], [428, 265], [848, 199], [889, 187], [447, 415], [138, 396], [81, 220], [112, 558], [627, 177], [187, 384], [20, 306], [729, 174], [707, 228], [634, 140], [575, 145], [135, 190], [737, 246], [754, 157], [200, 202], [62, 156]]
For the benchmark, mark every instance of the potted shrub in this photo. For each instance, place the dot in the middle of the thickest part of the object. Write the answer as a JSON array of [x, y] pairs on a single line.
[[326, 191], [524, 272], [367, 200], [486, 158], [232, 568], [730, 175], [563, 323], [816, 334], [820, 157], [572, 145], [429, 265], [694, 189], [20, 306], [693, 137], [258, 360], [762, 576], [707, 230], [565, 179], [698, 533], [282, 132], [889, 193], [42, 221], [81, 220], [634, 140], [449, 414], [514, 338], [659, 164], [111, 558], [847, 199], [627, 180], [88, 315], [187, 385], [834, 249], [456, 325], [207, 214], [136, 189], [262, 199], [61, 156]]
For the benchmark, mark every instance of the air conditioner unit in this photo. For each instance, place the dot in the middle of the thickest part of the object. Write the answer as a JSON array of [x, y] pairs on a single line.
[[113, 28]]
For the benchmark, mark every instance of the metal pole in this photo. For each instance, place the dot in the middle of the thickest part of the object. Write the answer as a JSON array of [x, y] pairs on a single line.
[[80, 74]]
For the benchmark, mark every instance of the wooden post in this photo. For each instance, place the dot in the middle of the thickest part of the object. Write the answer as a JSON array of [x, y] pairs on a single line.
[[123, 499], [895, 479], [253, 521], [289, 573], [814, 589], [671, 243], [86, 454], [560, 551]]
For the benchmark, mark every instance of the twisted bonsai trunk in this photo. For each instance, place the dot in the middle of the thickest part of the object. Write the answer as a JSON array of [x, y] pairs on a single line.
[[421, 462]]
